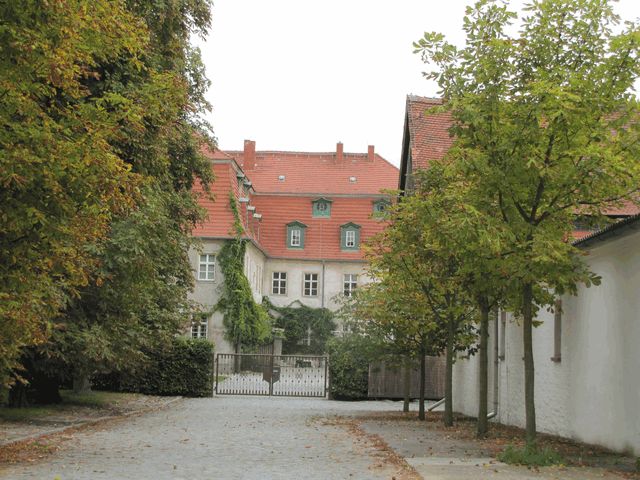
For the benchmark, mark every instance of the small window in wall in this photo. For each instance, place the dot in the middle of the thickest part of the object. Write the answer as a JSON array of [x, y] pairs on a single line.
[[199, 329], [557, 331], [379, 207], [279, 283], [350, 236], [310, 286], [321, 207], [295, 234], [207, 267], [503, 333], [350, 283]]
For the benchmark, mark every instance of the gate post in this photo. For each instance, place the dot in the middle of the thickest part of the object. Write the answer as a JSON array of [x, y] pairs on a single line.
[[271, 375]]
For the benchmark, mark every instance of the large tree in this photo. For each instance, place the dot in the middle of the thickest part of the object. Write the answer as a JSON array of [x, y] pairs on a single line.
[[546, 125]]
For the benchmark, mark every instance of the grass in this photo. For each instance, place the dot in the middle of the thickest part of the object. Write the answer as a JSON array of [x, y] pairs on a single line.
[[93, 400], [531, 456]]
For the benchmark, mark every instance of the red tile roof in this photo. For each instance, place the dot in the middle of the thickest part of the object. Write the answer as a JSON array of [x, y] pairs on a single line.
[[307, 177], [429, 132], [319, 173]]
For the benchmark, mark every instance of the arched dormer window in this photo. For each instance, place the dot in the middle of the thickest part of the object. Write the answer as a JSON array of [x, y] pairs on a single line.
[[295, 234], [350, 236], [321, 207]]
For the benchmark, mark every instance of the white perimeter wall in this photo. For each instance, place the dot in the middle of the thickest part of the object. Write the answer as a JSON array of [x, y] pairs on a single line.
[[593, 393]]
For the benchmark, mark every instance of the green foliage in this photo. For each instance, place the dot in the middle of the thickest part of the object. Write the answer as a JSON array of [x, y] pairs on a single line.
[[246, 322], [101, 148], [184, 367], [297, 322], [349, 366], [532, 456]]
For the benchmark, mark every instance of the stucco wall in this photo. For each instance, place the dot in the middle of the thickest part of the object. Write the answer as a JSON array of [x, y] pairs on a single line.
[[593, 393]]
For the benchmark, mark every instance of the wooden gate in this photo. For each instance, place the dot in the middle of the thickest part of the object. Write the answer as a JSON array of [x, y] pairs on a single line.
[[276, 375]]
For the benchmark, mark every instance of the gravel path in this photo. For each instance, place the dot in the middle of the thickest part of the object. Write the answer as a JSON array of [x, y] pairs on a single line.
[[219, 438]]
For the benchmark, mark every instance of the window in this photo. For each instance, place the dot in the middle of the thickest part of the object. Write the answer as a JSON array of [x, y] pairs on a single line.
[[379, 207], [295, 234], [295, 237], [321, 207], [350, 284], [557, 332], [350, 240], [310, 287], [350, 236], [279, 283], [503, 324], [207, 267], [199, 329]]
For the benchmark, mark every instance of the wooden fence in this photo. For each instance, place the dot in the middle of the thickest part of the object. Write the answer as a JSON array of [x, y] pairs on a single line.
[[386, 380]]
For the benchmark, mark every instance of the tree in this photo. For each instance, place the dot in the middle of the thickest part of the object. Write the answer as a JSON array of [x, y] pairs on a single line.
[[546, 125], [142, 101], [61, 177]]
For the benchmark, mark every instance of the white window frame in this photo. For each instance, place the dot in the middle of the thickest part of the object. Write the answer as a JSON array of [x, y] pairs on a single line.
[[281, 278], [349, 284], [350, 239], [199, 329], [296, 237], [207, 267], [310, 283]]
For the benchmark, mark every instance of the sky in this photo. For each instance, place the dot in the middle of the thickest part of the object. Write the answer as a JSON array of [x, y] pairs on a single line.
[[302, 75]]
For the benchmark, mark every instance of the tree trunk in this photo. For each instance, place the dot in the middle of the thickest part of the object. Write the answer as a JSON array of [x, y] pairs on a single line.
[[406, 383], [423, 371], [448, 387], [482, 426], [18, 395], [237, 358], [81, 383], [529, 372]]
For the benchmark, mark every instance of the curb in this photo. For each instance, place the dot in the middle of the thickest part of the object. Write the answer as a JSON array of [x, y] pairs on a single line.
[[88, 423]]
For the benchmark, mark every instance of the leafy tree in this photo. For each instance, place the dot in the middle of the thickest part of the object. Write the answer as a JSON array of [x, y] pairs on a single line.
[[61, 177], [546, 125]]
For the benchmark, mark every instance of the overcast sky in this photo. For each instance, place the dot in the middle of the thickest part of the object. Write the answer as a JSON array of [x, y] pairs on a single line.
[[303, 75]]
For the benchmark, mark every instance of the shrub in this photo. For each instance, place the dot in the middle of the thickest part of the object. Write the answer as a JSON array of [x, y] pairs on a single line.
[[349, 367], [530, 455], [184, 368]]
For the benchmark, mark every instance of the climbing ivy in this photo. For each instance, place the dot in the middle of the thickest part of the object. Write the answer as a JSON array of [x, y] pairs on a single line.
[[246, 322], [300, 323]]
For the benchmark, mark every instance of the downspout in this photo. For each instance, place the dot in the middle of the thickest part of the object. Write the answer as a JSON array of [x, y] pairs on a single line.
[[322, 297], [496, 365]]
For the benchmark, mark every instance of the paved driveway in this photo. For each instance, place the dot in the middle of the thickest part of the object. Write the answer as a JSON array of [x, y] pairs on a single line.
[[219, 438]]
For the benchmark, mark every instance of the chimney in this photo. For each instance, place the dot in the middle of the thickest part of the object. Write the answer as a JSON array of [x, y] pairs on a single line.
[[249, 155], [371, 153], [339, 153]]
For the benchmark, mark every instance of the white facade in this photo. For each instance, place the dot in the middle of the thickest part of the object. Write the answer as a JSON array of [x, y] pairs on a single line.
[[259, 271], [592, 392]]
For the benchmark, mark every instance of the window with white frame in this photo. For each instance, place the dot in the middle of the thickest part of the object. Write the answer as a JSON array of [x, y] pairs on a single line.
[[350, 284], [350, 238], [207, 267], [199, 329], [295, 237], [279, 283], [310, 287]]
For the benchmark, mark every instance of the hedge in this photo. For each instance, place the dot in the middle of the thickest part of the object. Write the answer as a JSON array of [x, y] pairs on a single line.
[[349, 367], [184, 368]]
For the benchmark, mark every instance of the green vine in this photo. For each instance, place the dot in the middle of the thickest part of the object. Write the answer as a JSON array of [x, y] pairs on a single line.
[[246, 322]]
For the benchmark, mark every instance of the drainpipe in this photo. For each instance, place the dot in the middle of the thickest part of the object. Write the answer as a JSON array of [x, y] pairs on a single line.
[[496, 365], [322, 297]]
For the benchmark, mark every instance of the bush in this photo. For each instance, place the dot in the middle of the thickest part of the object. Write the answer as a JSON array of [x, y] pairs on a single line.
[[349, 367], [184, 368], [530, 455]]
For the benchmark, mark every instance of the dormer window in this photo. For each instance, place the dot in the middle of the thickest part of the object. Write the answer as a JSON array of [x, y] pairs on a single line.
[[295, 234], [350, 236], [380, 206], [321, 207]]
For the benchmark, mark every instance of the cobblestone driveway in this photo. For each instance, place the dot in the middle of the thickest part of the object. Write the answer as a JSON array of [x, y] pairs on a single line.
[[218, 438]]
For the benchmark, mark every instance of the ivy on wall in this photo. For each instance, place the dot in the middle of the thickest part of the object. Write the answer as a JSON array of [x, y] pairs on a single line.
[[246, 322]]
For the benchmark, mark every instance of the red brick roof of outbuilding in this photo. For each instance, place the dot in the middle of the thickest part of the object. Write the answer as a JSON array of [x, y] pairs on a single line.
[[429, 132], [319, 173]]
